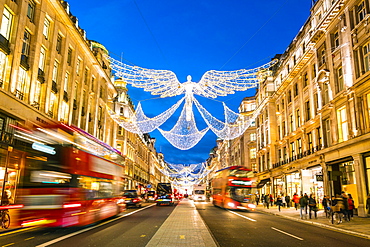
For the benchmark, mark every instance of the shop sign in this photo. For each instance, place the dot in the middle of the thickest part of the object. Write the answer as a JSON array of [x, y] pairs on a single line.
[[319, 178]]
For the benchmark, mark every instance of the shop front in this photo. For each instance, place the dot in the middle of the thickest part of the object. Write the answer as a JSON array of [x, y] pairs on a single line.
[[293, 184], [313, 182]]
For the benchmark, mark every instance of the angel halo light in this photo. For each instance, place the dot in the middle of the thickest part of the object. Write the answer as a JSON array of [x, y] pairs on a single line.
[[185, 134]]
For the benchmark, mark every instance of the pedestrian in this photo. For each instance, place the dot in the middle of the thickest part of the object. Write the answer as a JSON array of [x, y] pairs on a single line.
[[271, 200], [267, 200], [279, 202], [368, 203], [351, 205], [306, 207], [287, 200], [325, 204], [345, 210], [312, 205], [296, 201], [257, 199], [283, 201], [303, 202]]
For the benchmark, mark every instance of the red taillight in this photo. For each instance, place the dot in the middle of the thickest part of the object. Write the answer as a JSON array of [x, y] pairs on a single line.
[[11, 206], [135, 200], [72, 205]]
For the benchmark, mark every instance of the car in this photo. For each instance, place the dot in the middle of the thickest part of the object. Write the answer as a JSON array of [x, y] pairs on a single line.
[[132, 199], [151, 196]]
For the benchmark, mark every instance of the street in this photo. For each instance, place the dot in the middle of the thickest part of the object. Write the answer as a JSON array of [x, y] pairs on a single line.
[[136, 227]]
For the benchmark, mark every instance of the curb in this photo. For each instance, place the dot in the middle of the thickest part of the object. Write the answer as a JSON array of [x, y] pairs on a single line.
[[363, 235]]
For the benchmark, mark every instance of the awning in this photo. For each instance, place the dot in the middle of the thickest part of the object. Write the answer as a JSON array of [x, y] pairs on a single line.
[[262, 183]]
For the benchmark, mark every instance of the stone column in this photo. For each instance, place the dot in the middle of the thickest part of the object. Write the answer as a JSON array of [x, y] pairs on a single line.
[[361, 184]]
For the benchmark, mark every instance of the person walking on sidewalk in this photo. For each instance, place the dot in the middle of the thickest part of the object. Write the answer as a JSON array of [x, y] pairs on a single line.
[[296, 201], [368, 204], [271, 200], [279, 202], [351, 205], [325, 203], [267, 200], [303, 202], [287, 200], [312, 205]]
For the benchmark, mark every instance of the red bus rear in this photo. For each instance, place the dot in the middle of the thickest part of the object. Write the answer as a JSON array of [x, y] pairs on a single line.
[[233, 188], [68, 178]]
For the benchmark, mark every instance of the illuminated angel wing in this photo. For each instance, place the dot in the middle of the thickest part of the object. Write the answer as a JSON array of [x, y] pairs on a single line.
[[157, 82], [221, 83]]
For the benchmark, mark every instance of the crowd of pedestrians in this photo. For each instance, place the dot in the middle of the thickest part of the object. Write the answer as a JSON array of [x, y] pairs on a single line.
[[309, 205]]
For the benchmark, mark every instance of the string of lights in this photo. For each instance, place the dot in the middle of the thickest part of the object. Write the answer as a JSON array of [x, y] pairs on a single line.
[[185, 134]]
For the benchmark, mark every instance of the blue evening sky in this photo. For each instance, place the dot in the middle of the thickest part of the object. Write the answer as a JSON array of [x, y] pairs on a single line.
[[189, 38]]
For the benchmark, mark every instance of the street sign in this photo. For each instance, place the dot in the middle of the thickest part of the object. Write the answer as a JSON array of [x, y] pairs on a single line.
[[149, 186], [319, 178]]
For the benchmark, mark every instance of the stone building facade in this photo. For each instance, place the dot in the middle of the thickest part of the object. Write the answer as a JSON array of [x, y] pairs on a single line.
[[313, 118]]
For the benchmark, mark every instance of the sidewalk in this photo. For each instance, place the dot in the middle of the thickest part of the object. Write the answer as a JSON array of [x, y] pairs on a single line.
[[184, 227], [357, 226]]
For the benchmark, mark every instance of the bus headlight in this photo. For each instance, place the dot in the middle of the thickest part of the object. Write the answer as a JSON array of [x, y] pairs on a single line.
[[231, 204], [251, 206]]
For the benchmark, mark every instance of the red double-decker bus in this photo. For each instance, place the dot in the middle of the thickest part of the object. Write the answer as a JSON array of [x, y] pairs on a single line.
[[68, 178], [233, 188]]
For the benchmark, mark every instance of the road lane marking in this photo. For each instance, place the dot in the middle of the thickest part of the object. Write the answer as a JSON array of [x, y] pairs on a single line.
[[29, 238], [182, 236], [291, 235], [143, 236], [7, 245], [245, 217], [15, 231], [90, 228]]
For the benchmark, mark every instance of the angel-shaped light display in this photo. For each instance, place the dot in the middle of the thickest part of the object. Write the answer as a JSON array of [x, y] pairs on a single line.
[[185, 134]]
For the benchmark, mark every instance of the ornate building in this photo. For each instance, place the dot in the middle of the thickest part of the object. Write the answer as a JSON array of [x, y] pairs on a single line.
[[313, 118]]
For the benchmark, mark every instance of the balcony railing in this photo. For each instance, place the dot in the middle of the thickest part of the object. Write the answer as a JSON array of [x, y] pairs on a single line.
[[19, 94], [298, 156], [41, 76], [54, 87]]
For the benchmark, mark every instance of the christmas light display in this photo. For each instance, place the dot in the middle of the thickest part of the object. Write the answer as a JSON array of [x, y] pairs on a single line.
[[185, 134]]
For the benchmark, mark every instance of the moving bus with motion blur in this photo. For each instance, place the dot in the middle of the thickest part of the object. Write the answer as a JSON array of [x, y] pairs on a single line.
[[68, 178], [233, 188]]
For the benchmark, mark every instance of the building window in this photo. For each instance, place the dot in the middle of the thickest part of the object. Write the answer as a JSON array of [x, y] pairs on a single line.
[[342, 124], [252, 136], [325, 93], [366, 53], [289, 96], [291, 121], [42, 58], [253, 153], [31, 10], [319, 137], [340, 82], [64, 112], [307, 111], [283, 129], [37, 94], [327, 130], [299, 146], [45, 30], [336, 40], [298, 117], [316, 102], [6, 24], [66, 82], [26, 43], [78, 65], [313, 71], [305, 80], [55, 71], [309, 140], [296, 90], [2, 67], [69, 56], [321, 56], [59, 43], [368, 107], [86, 76], [52, 104], [292, 150], [120, 131], [21, 84], [361, 11]]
